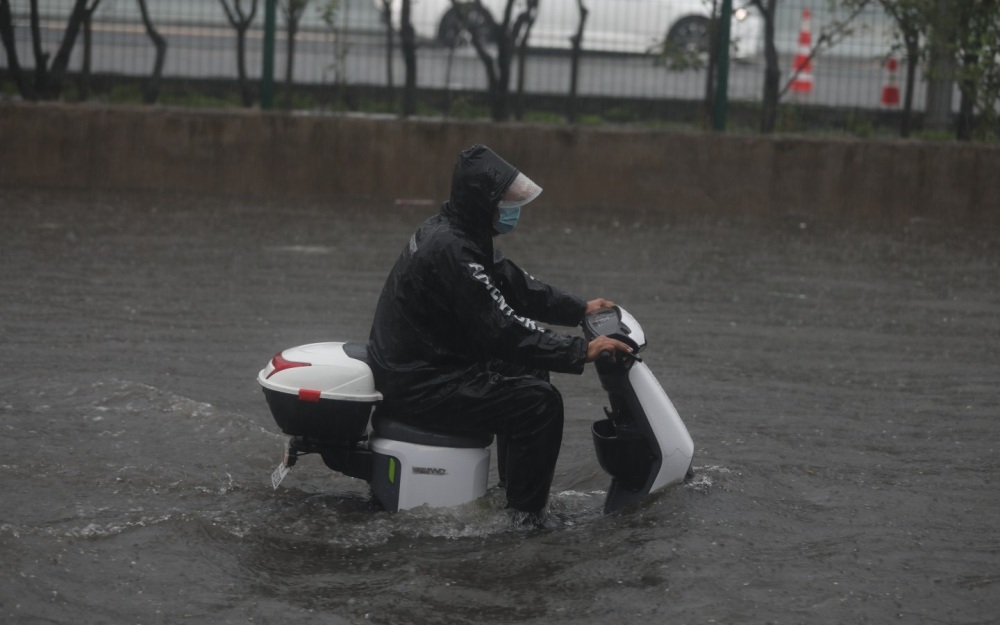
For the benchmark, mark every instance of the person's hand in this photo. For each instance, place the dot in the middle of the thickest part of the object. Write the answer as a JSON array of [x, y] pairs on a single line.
[[603, 344], [597, 304]]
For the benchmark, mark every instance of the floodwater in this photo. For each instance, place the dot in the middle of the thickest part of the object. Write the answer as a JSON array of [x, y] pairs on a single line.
[[840, 383]]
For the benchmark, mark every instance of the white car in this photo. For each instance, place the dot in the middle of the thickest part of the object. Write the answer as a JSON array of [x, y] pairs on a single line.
[[636, 26]]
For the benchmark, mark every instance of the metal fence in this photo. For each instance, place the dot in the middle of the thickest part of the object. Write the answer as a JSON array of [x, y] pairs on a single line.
[[347, 47]]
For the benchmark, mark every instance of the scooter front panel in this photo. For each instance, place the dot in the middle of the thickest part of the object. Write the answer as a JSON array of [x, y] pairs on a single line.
[[672, 436]]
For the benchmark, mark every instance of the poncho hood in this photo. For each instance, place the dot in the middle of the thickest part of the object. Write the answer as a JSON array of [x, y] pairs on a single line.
[[478, 182]]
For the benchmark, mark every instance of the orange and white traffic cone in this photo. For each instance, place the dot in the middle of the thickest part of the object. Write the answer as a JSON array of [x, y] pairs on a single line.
[[802, 76], [890, 92]]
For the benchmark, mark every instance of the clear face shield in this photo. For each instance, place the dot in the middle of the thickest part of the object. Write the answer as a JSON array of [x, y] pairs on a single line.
[[520, 192]]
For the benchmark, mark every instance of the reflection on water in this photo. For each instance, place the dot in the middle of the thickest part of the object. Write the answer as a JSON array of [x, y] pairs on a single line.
[[839, 384]]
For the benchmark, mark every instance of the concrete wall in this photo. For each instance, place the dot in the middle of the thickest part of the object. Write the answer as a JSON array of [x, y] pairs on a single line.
[[250, 152]]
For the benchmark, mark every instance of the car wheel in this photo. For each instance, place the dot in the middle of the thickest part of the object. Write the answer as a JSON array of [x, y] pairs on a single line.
[[453, 31], [690, 34]]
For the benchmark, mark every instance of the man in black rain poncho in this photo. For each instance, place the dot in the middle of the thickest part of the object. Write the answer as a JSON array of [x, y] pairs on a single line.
[[455, 345]]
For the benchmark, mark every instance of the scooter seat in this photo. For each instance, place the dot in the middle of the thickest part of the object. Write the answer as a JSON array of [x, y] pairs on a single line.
[[385, 426]]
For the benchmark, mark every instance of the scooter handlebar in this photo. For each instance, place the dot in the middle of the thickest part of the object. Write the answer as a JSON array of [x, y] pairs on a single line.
[[616, 323], [606, 356]]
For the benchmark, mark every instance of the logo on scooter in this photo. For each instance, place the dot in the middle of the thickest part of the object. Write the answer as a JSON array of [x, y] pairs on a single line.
[[429, 471]]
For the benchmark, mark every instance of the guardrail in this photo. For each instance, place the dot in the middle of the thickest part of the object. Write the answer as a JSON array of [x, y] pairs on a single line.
[[347, 50]]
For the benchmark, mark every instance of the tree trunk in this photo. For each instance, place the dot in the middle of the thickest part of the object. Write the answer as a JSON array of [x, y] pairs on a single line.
[[522, 32], [241, 22], [522, 55], [967, 106], [408, 41], [499, 90], [292, 18], [940, 84], [506, 35], [48, 80], [14, 65], [713, 61], [390, 42], [772, 73], [912, 57], [968, 37], [88, 41], [246, 89], [290, 32], [61, 60], [151, 89], [41, 57], [574, 72], [490, 65]]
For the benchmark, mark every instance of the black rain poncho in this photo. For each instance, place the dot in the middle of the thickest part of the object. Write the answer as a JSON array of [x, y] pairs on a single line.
[[451, 305]]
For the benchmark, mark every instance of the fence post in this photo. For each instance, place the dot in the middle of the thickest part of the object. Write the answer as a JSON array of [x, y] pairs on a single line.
[[722, 82], [267, 71]]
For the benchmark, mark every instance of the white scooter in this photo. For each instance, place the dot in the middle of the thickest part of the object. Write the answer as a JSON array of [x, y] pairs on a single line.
[[323, 396]]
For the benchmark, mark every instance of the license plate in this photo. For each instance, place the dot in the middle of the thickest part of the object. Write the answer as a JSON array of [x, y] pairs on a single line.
[[279, 474]]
